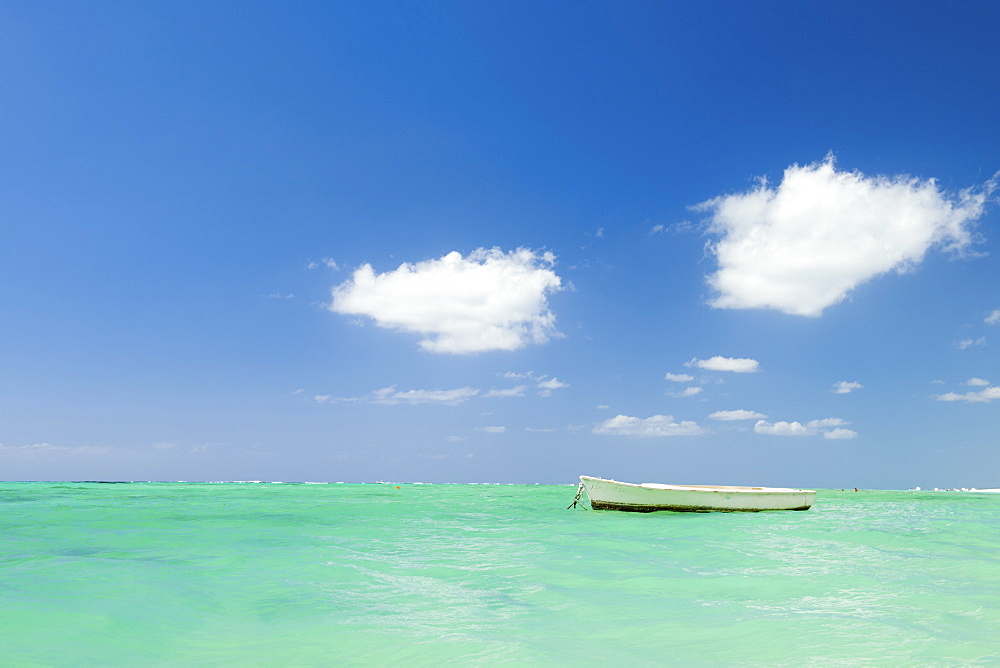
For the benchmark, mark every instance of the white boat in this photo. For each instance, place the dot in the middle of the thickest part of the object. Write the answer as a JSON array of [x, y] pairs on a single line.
[[650, 496]]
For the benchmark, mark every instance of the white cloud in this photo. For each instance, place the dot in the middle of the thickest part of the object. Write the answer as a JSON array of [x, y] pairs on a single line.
[[552, 384], [679, 377], [545, 387], [492, 430], [804, 245], [845, 387], [688, 392], [827, 422], [390, 395], [840, 434], [736, 415], [490, 300], [510, 392], [734, 364], [993, 318], [543, 384], [827, 427], [325, 262], [781, 428], [967, 343], [657, 425], [977, 382], [983, 396]]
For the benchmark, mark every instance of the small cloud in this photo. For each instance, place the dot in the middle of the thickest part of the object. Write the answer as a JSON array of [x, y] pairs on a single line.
[[600, 232], [278, 295], [655, 426], [679, 377], [983, 396], [552, 384], [546, 430], [325, 262], [827, 422], [968, 343], [729, 416], [845, 387], [544, 384], [977, 382], [993, 318], [602, 407], [781, 428], [390, 396], [812, 428], [545, 387], [492, 430], [677, 228], [688, 392], [503, 394], [734, 364]]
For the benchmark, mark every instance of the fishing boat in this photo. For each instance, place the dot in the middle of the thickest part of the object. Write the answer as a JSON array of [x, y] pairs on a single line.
[[651, 496]]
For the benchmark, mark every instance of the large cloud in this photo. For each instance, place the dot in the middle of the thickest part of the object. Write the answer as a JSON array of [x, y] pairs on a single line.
[[804, 245], [657, 425], [490, 300]]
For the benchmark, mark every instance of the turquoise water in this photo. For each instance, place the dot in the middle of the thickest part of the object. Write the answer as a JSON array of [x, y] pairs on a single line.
[[272, 574]]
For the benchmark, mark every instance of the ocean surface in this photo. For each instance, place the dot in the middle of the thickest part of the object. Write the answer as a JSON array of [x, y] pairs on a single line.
[[410, 574]]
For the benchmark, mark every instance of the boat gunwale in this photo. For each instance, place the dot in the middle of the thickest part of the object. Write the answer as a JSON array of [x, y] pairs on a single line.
[[705, 488]]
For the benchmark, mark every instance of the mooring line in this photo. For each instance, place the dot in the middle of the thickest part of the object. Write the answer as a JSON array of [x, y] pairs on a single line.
[[579, 491]]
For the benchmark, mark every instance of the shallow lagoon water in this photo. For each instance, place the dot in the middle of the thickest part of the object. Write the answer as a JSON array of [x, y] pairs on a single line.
[[368, 574]]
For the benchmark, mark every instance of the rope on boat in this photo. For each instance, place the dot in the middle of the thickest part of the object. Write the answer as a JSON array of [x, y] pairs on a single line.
[[576, 499]]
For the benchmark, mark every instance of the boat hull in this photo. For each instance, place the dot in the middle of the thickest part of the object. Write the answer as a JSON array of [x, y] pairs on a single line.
[[652, 497]]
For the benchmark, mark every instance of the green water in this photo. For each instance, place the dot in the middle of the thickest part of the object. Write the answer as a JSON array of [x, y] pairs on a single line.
[[271, 574]]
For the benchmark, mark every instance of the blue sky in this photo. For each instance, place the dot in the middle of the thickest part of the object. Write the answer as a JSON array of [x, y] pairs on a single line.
[[715, 242]]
